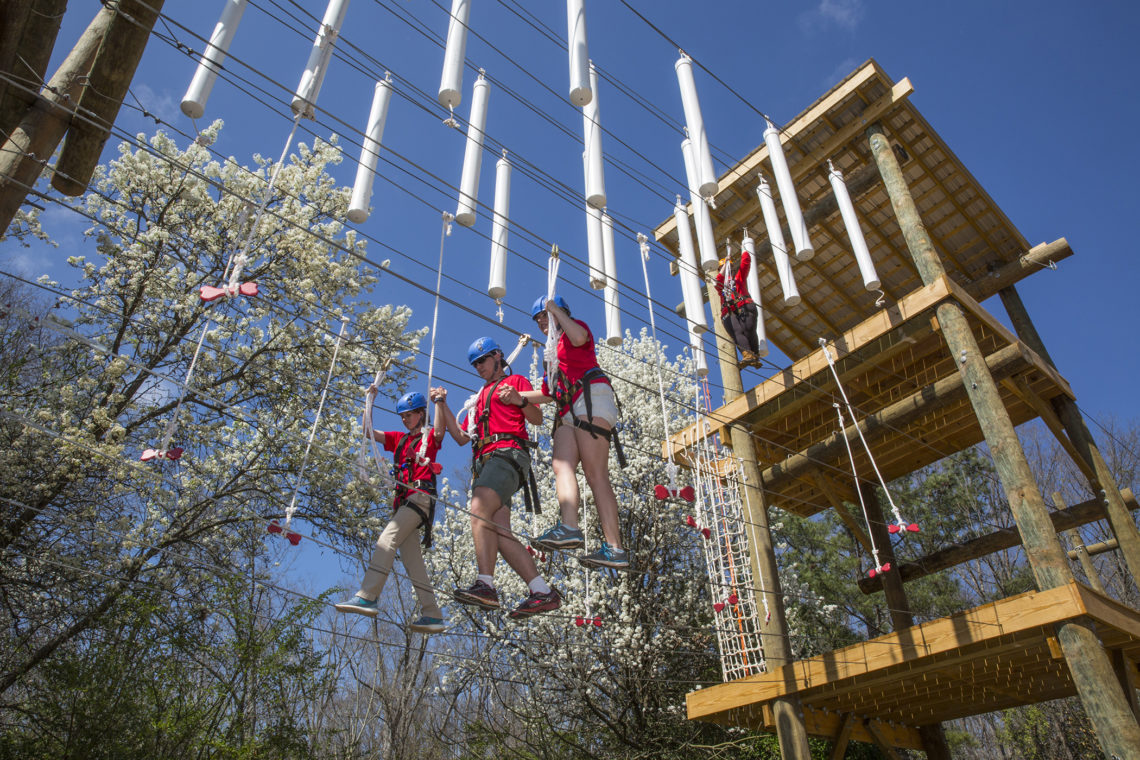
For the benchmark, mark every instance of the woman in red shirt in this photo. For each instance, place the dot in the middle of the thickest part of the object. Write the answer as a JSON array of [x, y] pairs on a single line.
[[738, 312], [584, 419], [413, 508]]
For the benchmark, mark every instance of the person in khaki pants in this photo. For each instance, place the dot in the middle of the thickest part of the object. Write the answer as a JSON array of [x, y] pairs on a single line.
[[413, 508]]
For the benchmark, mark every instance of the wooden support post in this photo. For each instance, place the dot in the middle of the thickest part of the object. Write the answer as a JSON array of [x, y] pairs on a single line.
[[881, 741], [933, 738], [1115, 725], [111, 74], [1078, 545], [27, 37], [1129, 681], [843, 737], [831, 491], [1119, 519], [790, 729]]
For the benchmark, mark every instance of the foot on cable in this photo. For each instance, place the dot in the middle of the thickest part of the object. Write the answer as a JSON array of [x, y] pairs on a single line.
[[478, 594], [425, 624], [748, 359], [536, 603], [607, 556], [560, 537], [358, 605]]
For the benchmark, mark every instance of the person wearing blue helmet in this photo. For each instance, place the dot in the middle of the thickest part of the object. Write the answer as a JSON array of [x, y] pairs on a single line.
[[500, 467], [583, 429], [413, 508]]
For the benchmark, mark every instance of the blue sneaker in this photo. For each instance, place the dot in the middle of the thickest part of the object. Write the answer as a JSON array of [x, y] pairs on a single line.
[[425, 624], [359, 605], [607, 556], [559, 537]]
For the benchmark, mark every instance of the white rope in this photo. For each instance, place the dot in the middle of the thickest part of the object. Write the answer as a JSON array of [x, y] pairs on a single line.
[[643, 243], [421, 453], [858, 490], [313, 431], [894, 508], [553, 331], [369, 442], [523, 340]]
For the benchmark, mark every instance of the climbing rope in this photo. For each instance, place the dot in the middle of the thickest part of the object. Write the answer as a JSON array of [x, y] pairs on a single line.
[[866, 517], [421, 453], [368, 445], [553, 331]]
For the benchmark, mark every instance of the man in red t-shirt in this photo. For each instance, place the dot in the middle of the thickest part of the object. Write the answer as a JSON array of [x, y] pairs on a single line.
[[496, 428], [413, 508]]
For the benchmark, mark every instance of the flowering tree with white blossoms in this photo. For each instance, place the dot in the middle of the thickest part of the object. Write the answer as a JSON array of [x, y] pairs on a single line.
[[86, 527]]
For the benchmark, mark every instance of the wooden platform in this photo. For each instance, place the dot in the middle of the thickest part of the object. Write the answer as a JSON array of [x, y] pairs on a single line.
[[992, 657], [900, 377], [972, 235]]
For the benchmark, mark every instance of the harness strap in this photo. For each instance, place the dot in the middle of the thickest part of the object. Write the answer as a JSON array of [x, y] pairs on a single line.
[[527, 483], [610, 435]]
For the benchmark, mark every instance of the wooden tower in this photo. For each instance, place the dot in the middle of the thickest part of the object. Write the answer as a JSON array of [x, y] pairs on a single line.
[[932, 373]]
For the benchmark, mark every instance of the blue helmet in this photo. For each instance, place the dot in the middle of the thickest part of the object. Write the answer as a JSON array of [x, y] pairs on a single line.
[[540, 305], [480, 348], [411, 402]]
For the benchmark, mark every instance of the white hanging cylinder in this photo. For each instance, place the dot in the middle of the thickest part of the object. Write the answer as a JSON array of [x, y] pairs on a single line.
[[370, 153], [795, 217], [194, 101], [592, 137], [706, 243], [704, 179], [779, 247], [594, 247], [497, 285], [613, 313], [753, 281], [854, 231], [697, 345], [473, 156], [689, 273], [451, 82], [319, 57], [580, 93]]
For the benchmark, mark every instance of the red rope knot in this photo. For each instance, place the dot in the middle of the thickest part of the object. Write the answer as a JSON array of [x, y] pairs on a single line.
[[173, 454], [209, 293], [903, 527], [291, 536], [876, 570], [687, 493]]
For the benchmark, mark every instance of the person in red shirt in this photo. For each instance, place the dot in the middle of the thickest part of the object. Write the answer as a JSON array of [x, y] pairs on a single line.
[[738, 312], [583, 427], [413, 508], [496, 428]]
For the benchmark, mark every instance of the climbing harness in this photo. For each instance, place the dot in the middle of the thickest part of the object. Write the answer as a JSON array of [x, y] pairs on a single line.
[[484, 437]]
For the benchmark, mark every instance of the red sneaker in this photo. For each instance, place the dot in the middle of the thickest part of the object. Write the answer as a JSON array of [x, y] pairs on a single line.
[[479, 594], [536, 603]]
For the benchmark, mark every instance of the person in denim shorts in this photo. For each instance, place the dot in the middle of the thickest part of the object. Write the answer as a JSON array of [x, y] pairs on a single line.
[[496, 429]]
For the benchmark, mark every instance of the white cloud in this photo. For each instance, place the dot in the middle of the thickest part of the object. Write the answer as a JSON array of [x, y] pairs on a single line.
[[161, 104], [845, 14]]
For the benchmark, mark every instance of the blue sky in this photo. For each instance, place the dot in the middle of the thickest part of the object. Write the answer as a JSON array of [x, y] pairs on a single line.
[[1032, 96]]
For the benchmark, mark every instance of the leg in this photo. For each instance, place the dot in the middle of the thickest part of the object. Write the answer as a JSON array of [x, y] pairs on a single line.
[[512, 549], [402, 525], [748, 316], [413, 559], [595, 453], [485, 503], [729, 322], [565, 464]]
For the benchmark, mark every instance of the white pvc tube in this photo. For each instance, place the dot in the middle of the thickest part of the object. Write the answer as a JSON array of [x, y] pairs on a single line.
[[580, 93], [594, 246], [194, 101], [689, 274], [705, 176], [779, 248], [788, 197], [854, 231], [473, 155], [369, 153], [451, 82], [319, 57], [753, 281], [706, 243], [613, 314], [592, 137], [697, 344], [500, 223]]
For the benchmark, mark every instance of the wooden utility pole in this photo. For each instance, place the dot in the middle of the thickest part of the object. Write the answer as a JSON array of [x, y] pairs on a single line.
[[83, 96], [790, 729], [27, 37], [1103, 698]]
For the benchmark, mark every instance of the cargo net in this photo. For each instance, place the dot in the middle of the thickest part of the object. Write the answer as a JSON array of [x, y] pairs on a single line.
[[737, 613]]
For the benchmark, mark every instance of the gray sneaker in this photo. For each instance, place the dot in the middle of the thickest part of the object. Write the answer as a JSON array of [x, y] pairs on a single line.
[[559, 537], [607, 556]]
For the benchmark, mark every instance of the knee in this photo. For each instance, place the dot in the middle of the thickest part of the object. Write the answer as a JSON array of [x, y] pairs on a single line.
[[484, 504]]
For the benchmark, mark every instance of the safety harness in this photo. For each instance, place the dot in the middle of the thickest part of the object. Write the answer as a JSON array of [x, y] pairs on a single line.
[[564, 393], [404, 460], [484, 438]]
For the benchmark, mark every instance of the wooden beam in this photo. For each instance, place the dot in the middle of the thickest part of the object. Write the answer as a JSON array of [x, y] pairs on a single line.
[[1098, 548], [881, 741], [842, 737], [1052, 421], [1006, 538], [1034, 260], [831, 490]]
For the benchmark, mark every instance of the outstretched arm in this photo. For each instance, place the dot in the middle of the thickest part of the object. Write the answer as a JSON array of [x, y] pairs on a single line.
[[439, 396], [575, 333], [439, 424]]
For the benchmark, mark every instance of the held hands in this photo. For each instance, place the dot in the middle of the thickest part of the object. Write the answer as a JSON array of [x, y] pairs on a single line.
[[438, 395], [511, 396]]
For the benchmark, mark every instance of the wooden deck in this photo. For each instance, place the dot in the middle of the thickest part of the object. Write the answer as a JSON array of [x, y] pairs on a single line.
[[907, 390], [992, 657]]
